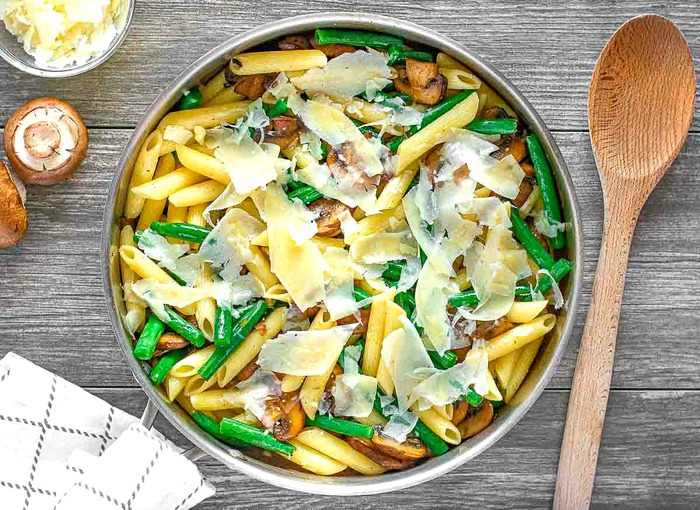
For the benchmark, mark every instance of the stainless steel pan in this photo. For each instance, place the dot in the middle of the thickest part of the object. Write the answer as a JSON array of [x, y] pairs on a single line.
[[542, 370]]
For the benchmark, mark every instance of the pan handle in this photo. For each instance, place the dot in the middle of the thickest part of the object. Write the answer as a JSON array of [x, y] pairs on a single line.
[[150, 413]]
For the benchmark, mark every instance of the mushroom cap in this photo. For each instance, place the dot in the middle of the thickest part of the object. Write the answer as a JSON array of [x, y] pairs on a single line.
[[13, 215], [45, 141]]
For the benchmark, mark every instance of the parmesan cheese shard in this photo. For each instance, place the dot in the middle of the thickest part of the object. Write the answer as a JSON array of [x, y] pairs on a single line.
[[299, 267], [304, 353], [340, 300], [432, 292], [157, 295]]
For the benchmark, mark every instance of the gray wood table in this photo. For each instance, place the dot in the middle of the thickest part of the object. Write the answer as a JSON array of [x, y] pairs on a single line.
[[53, 311]]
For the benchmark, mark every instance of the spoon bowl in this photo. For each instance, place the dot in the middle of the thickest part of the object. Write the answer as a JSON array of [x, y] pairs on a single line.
[[640, 106]]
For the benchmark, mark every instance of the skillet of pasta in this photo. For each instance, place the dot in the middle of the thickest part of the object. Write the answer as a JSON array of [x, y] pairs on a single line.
[[343, 251]]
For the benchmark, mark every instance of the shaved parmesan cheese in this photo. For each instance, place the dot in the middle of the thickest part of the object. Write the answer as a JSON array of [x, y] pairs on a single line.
[[304, 352], [406, 359], [354, 395], [489, 210], [340, 300], [501, 176], [281, 88], [158, 248], [383, 247], [177, 134], [432, 292], [400, 425], [236, 291], [446, 386], [188, 268], [311, 142], [556, 291], [302, 222], [157, 295], [347, 75], [299, 267], [255, 391], [546, 225], [132, 321], [344, 190], [249, 165], [228, 198]]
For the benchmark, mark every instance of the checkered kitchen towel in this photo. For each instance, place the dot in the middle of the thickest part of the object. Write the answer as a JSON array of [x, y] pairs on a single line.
[[62, 448]]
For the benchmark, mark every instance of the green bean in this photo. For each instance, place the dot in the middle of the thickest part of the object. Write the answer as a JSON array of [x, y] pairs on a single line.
[[165, 364], [497, 403], [345, 427], [277, 109], [293, 185], [222, 327], [407, 301], [445, 361], [364, 129], [190, 101], [307, 194], [548, 188], [180, 281], [472, 398], [399, 55], [324, 36], [146, 345], [559, 270], [434, 442], [494, 126], [361, 295], [241, 328], [183, 328], [531, 244], [214, 428], [240, 431], [183, 231], [393, 270]]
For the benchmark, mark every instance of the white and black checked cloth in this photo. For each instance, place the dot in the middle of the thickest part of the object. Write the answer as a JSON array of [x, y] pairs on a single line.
[[62, 448]]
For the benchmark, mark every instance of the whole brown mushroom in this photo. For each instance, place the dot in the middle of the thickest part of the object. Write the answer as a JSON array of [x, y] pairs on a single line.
[[45, 141], [13, 215]]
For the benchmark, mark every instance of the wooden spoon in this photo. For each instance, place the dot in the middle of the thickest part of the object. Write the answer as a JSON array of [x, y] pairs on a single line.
[[640, 106]]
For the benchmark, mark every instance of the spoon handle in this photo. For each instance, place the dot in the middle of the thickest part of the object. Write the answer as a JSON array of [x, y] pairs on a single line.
[[591, 384]]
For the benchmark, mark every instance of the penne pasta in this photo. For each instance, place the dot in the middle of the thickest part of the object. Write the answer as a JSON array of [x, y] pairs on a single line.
[[188, 366], [442, 427], [527, 355], [314, 461], [394, 190], [278, 293], [205, 309], [215, 400], [198, 385], [292, 382], [208, 117], [203, 164], [419, 144], [526, 311], [262, 62], [392, 322], [520, 335], [168, 183], [373, 420], [142, 265], [202, 193], [225, 96], [459, 79], [213, 87], [143, 171], [374, 338], [259, 267], [153, 209], [313, 386], [174, 386], [135, 311], [336, 448]]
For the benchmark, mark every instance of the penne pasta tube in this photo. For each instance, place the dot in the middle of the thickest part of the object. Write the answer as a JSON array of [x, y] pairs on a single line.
[[278, 293], [446, 62], [251, 347], [174, 386], [142, 265], [373, 419], [303, 158], [392, 322], [207, 117], [176, 215], [262, 62], [292, 382], [203, 164], [443, 427], [213, 87], [185, 403], [198, 385], [527, 356], [153, 209], [202, 193], [376, 223], [520, 335], [215, 400], [167, 147], [228, 95], [494, 394], [205, 309], [503, 366], [336, 448], [445, 411], [313, 460], [525, 311], [188, 366], [416, 146], [135, 311], [244, 417], [259, 267], [374, 338], [459, 79], [313, 386], [394, 190], [168, 183], [143, 171]]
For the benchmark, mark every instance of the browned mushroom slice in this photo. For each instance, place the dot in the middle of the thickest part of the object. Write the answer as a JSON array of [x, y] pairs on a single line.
[[422, 81], [13, 215], [410, 450], [344, 165], [537, 234], [326, 212], [169, 342], [283, 131], [526, 187], [477, 419], [253, 86], [365, 447], [495, 112], [485, 331], [361, 328], [528, 169], [291, 423], [334, 50], [511, 145], [459, 411], [45, 141], [294, 42], [432, 163]]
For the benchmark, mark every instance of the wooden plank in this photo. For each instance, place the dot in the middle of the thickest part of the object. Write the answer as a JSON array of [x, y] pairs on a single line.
[[650, 459], [546, 50], [52, 289]]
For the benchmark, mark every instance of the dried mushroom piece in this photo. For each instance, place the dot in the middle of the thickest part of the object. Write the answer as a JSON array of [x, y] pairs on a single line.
[[13, 215], [45, 141], [422, 81]]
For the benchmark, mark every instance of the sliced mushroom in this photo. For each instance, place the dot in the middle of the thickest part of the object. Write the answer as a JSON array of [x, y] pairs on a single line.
[[13, 215], [294, 42], [459, 411], [283, 131], [411, 449], [511, 145], [343, 160], [361, 328], [333, 50], [326, 211], [284, 416], [45, 141], [169, 342], [495, 112], [477, 419], [422, 81], [432, 163], [528, 169], [366, 448], [253, 86], [526, 187], [485, 331], [543, 241]]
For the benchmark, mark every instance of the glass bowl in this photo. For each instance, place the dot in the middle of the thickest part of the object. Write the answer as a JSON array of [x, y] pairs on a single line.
[[12, 51]]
